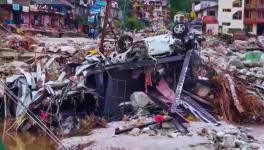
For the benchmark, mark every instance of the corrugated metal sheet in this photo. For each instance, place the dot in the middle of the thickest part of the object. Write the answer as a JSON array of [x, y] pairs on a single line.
[[22, 2], [53, 2]]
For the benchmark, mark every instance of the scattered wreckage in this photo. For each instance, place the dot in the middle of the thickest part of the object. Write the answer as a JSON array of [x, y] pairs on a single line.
[[160, 76]]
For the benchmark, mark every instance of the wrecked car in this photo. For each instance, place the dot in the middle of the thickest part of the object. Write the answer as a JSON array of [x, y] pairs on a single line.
[[179, 41]]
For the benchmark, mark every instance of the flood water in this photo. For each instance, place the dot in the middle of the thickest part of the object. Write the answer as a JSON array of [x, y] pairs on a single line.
[[24, 141]]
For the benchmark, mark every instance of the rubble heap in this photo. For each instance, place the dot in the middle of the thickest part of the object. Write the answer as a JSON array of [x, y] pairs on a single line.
[[156, 83]]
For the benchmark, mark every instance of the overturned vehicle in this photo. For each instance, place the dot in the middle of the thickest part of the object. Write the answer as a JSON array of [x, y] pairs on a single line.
[[177, 42]]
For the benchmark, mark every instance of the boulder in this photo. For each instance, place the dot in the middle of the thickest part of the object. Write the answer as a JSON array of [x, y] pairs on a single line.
[[135, 132], [229, 141], [139, 100]]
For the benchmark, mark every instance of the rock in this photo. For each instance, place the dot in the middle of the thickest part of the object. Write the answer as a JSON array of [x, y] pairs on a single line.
[[240, 143], [226, 131], [139, 100], [167, 125], [202, 90], [189, 134], [145, 130], [154, 126], [242, 76], [68, 49], [152, 133], [244, 148], [255, 145], [248, 73], [232, 68], [258, 81], [174, 135], [233, 132], [66, 131], [229, 141], [220, 134], [243, 137], [211, 136], [250, 137], [40, 49], [243, 129], [33, 47], [135, 132], [237, 63]]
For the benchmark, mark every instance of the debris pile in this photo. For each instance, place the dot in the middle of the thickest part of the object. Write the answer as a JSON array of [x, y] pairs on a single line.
[[235, 102], [154, 86], [228, 137]]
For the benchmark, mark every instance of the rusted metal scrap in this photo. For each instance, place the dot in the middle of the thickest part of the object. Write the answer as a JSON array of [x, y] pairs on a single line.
[[234, 103], [233, 92]]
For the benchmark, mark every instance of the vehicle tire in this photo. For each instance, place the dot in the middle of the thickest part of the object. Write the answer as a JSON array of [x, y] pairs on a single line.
[[124, 43], [180, 29]]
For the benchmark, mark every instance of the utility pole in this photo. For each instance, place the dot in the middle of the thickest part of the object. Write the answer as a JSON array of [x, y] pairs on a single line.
[[124, 14], [107, 12]]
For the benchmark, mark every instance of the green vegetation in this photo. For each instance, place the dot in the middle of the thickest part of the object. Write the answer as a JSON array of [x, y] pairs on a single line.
[[133, 23], [126, 7], [80, 20], [117, 23], [179, 5]]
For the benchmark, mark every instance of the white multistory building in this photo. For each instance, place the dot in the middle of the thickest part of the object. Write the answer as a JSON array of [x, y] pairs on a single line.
[[230, 15]]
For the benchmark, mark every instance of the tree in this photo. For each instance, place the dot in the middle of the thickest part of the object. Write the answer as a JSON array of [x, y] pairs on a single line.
[[133, 23], [126, 6], [179, 5]]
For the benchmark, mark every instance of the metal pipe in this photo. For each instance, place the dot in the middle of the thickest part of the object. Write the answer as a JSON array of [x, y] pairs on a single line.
[[108, 7]]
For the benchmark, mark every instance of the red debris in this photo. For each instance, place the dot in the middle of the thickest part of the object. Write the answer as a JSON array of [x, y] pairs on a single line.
[[44, 116], [159, 118]]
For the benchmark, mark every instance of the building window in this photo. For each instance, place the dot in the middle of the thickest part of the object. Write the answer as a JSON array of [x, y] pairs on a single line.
[[247, 14], [261, 14], [226, 24], [211, 13], [237, 15], [237, 3], [249, 28], [157, 7], [247, 2], [226, 10]]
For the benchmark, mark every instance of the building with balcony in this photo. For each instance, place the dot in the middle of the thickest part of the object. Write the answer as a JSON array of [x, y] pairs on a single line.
[[14, 12], [230, 15], [154, 12], [52, 13], [254, 16], [207, 11]]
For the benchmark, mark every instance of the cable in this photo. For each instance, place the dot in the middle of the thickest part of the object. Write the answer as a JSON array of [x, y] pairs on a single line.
[[57, 141], [13, 97]]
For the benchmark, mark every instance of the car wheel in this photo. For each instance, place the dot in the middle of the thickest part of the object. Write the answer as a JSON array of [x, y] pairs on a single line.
[[180, 29], [124, 43]]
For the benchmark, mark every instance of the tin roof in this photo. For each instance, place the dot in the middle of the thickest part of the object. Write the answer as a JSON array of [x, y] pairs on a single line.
[[53, 2]]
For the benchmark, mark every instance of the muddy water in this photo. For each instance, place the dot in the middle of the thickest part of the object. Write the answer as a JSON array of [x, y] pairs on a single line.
[[24, 141]]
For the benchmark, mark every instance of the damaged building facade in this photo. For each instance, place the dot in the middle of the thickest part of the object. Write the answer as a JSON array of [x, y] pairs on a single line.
[[246, 15], [154, 12], [52, 13]]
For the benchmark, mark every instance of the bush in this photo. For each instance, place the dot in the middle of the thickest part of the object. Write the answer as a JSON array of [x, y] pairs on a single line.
[[133, 23], [117, 23]]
